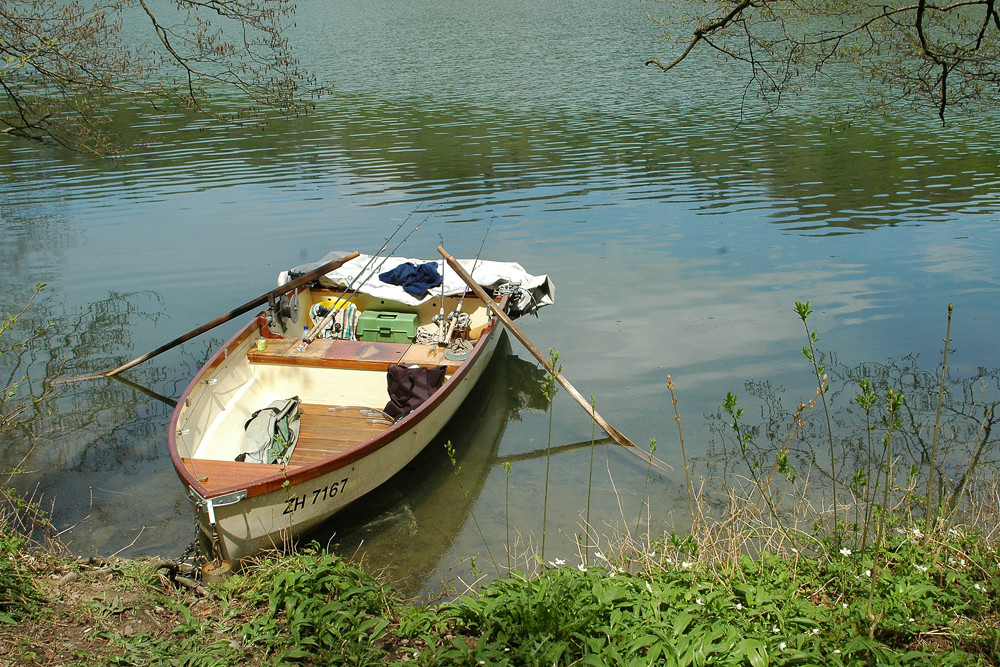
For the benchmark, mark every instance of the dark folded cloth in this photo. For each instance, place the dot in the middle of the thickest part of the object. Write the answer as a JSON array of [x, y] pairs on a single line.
[[416, 280]]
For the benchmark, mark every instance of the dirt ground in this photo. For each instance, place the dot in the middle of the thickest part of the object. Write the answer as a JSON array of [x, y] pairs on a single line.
[[89, 598]]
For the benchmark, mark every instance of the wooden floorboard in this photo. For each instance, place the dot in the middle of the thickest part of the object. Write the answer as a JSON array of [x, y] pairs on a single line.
[[324, 432]]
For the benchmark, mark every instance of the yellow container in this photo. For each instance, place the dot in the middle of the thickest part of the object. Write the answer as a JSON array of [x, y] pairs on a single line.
[[328, 304]]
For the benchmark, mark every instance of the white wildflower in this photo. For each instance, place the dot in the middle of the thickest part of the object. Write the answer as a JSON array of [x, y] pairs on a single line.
[[687, 565], [698, 601], [739, 606], [581, 567], [782, 646], [845, 552], [868, 573], [649, 587], [916, 533], [775, 630]]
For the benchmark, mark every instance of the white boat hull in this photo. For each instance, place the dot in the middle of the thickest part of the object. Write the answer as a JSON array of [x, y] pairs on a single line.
[[274, 519]]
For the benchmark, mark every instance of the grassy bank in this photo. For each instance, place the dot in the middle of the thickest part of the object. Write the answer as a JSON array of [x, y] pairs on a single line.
[[930, 604]]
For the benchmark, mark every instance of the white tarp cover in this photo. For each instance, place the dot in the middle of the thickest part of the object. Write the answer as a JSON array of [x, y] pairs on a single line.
[[536, 291]]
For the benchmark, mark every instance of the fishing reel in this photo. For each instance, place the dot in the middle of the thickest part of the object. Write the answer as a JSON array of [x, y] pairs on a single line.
[[285, 309], [461, 324]]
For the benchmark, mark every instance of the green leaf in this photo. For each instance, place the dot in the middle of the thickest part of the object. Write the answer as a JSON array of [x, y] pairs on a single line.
[[681, 623], [754, 650]]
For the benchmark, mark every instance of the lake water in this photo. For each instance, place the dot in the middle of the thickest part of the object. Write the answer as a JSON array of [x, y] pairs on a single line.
[[678, 235]]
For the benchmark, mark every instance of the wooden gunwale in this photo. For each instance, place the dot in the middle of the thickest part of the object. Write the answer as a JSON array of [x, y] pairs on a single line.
[[296, 475]]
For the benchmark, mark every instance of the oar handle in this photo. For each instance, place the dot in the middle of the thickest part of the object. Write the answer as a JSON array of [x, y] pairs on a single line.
[[222, 319], [615, 434]]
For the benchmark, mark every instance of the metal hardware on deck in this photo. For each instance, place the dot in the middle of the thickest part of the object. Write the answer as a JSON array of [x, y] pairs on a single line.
[[371, 415], [221, 501], [512, 288], [211, 381], [211, 512], [229, 498], [216, 551], [183, 431], [210, 504]]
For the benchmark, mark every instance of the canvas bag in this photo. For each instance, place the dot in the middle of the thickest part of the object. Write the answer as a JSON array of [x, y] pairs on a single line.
[[271, 433], [410, 386]]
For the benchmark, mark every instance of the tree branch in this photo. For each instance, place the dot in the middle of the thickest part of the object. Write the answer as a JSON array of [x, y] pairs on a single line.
[[701, 32]]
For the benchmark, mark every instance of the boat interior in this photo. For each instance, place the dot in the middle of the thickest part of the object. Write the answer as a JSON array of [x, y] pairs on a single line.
[[339, 378]]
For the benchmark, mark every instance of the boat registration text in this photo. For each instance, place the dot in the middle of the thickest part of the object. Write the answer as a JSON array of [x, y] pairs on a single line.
[[317, 496]]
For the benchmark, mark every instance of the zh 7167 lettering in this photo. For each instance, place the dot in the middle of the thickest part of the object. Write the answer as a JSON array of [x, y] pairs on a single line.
[[317, 495]]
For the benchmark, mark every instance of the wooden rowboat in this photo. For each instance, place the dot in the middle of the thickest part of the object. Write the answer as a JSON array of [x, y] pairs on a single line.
[[345, 447]]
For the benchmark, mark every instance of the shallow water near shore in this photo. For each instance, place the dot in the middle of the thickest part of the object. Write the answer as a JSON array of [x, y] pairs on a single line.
[[678, 239]]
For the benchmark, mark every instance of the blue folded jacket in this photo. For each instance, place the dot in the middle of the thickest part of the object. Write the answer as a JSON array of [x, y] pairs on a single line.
[[417, 280]]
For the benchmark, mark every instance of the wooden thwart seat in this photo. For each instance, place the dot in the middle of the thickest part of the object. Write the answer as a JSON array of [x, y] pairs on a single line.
[[353, 354]]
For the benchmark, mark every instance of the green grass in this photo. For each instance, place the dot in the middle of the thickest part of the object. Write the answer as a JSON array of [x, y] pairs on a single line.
[[311, 607], [932, 605], [20, 595]]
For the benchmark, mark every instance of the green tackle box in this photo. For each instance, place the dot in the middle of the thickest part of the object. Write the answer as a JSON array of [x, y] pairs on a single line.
[[382, 326]]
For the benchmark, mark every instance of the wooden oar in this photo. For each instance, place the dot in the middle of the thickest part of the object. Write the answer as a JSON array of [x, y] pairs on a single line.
[[617, 436], [222, 319]]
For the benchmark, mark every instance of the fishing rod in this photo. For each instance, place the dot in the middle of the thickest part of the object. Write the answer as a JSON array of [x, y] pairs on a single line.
[[457, 313], [440, 318], [325, 321], [344, 296], [475, 262]]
